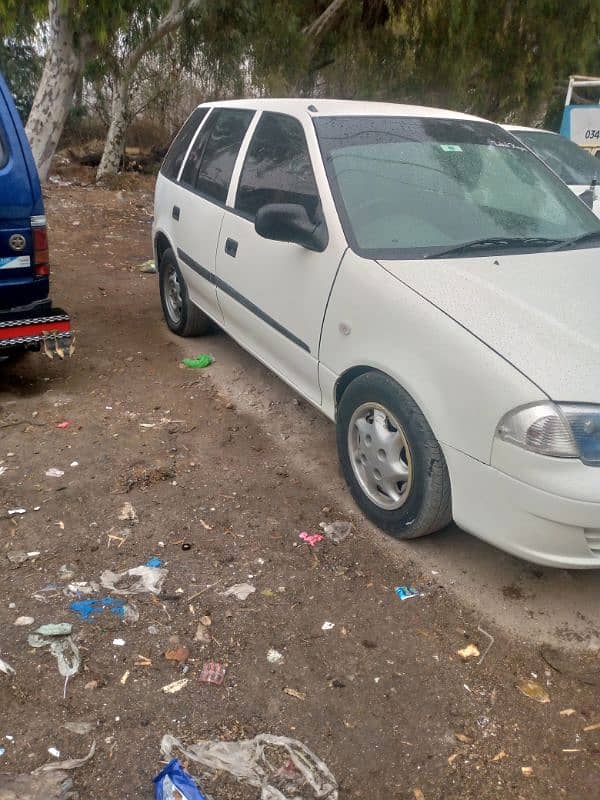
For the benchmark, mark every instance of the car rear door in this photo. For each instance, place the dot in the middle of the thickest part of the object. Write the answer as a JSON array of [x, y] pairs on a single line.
[[17, 206], [204, 183], [274, 294]]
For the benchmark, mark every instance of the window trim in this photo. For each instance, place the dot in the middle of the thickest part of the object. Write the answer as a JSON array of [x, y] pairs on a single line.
[[211, 115], [192, 143], [245, 215]]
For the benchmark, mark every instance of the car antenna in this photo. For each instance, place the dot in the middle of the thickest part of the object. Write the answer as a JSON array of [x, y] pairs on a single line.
[[313, 108]]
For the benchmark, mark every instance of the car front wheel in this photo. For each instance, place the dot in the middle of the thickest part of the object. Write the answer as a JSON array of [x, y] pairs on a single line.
[[390, 458]]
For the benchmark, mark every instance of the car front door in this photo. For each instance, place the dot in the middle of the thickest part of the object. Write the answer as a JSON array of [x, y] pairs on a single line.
[[203, 186], [273, 294]]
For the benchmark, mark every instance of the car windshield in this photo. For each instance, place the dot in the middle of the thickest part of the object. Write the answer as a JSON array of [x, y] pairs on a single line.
[[567, 159], [411, 187]]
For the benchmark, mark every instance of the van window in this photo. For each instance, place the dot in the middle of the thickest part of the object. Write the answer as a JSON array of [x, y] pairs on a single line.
[[277, 168], [174, 158], [211, 161], [3, 149]]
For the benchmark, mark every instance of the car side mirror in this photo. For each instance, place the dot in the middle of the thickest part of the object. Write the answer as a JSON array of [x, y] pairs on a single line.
[[289, 222]]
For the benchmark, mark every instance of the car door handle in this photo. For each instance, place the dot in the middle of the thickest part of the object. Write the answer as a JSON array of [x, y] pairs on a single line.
[[176, 212], [231, 247]]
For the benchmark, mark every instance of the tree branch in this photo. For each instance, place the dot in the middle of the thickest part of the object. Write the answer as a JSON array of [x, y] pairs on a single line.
[[169, 23], [324, 21]]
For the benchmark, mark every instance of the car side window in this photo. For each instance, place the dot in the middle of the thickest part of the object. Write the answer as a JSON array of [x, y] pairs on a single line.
[[277, 168], [210, 164], [174, 158]]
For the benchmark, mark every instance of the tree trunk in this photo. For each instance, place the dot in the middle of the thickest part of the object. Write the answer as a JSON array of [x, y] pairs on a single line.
[[115, 139], [54, 96]]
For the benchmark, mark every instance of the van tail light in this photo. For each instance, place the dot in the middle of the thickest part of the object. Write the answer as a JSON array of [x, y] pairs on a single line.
[[41, 263]]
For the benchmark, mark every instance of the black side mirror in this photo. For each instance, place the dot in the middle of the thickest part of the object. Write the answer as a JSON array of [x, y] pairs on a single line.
[[289, 222]]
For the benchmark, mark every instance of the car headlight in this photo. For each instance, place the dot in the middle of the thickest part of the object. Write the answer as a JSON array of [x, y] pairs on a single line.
[[562, 430]]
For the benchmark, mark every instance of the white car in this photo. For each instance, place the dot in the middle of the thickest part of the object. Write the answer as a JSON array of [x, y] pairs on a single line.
[[425, 281], [578, 169]]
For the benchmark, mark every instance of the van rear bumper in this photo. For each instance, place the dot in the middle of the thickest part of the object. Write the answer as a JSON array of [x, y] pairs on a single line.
[[36, 326]]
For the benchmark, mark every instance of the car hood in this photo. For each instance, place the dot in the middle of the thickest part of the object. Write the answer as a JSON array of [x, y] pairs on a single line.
[[541, 312]]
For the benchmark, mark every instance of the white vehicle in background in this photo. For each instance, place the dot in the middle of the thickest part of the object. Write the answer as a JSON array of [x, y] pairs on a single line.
[[581, 115], [422, 278], [578, 169]]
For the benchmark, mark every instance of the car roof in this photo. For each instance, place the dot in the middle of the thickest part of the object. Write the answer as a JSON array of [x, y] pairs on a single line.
[[525, 128], [325, 107]]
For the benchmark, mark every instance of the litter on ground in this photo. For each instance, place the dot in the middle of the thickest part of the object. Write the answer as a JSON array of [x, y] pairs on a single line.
[[198, 362], [212, 672], [406, 592], [303, 775], [174, 783], [311, 539], [241, 591], [149, 579], [336, 531]]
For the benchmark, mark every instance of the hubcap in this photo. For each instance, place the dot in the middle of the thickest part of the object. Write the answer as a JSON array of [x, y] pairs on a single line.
[[172, 292], [380, 456]]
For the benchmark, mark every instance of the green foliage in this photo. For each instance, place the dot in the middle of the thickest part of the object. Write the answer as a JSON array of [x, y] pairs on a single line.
[[21, 66]]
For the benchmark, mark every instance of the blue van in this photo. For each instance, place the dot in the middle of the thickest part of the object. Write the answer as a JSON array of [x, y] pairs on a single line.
[[27, 319]]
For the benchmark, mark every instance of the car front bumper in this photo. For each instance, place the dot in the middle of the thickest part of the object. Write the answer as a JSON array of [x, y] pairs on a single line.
[[555, 522]]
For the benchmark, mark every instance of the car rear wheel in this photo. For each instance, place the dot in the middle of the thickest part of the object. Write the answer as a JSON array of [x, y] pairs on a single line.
[[181, 315], [391, 460]]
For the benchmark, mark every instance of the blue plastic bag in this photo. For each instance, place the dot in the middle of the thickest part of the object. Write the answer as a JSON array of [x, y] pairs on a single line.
[[174, 783]]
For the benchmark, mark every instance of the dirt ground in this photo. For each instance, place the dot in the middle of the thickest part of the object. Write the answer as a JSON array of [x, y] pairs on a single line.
[[382, 697]]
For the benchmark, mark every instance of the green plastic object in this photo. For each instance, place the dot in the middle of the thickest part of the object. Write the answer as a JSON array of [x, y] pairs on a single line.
[[201, 361]]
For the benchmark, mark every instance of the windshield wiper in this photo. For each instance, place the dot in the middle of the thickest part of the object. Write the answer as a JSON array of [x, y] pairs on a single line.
[[499, 243], [586, 237]]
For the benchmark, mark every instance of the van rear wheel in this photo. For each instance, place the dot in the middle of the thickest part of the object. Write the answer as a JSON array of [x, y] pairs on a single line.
[[181, 315]]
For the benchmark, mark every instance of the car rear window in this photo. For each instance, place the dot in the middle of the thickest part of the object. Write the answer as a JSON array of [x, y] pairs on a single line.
[[174, 158]]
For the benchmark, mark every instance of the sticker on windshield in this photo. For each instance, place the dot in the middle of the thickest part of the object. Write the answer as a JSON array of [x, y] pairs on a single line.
[[451, 148]]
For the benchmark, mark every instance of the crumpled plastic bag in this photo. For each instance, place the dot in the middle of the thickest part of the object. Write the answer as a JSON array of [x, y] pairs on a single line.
[[71, 763], [241, 591], [303, 776], [64, 650], [174, 782], [150, 579]]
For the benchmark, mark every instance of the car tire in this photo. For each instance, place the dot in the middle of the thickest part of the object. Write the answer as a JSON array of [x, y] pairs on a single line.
[[181, 315], [392, 462]]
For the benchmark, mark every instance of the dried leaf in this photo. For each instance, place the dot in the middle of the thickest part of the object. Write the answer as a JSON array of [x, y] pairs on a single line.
[[179, 654], [452, 758], [527, 771], [567, 712], [594, 727], [533, 690], [462, 737], [295, 693], [418, 794], [470, 651], [499, 756]]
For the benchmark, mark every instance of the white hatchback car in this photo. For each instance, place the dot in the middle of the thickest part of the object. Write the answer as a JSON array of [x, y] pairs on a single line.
[[467, 387]]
